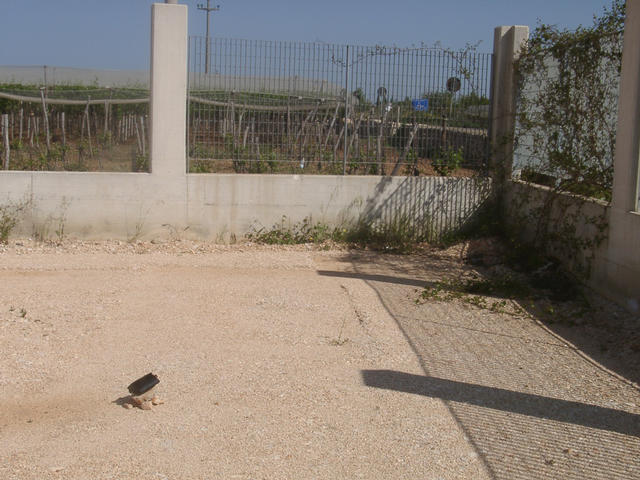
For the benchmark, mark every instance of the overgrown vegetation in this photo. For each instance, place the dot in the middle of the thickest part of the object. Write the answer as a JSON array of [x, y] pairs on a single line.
[[548, 293], [516, 278], [9, 217], [397, 236], [497, 294], [290, 233], [449, 161], [565, 136], [567, 112]]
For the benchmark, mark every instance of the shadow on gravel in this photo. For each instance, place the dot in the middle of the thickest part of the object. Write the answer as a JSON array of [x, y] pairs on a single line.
[[528, 403], [601, 329], [591, 416], [376, 278]]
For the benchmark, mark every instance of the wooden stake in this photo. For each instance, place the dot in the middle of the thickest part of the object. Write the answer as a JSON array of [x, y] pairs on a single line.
[[244, 138], [106, 119], [330, 130], [5, 130], [139, 139], [335, 147], [29, 131], [396, 167], [142, 130], [46, 118], [88, 120], [64, 131], [357, 127], [64, 140]]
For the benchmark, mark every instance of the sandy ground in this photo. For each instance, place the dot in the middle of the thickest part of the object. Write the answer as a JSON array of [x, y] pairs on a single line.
[[286, 363]]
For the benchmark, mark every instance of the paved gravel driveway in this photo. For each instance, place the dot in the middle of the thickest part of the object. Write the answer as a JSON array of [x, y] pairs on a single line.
[[282, 363]]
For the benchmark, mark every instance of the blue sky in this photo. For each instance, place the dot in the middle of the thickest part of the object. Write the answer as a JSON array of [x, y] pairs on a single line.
[[114, 34]]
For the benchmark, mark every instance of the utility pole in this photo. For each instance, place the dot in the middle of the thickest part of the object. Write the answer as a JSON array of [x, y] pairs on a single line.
[[207, 9]]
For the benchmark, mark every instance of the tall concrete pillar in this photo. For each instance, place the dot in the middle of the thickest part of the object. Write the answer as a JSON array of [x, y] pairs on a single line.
[[507, 44], [621, 272], [626, 171], [168, 89]]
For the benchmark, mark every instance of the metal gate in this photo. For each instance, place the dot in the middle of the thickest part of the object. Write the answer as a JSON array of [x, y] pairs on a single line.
[[287, 107]]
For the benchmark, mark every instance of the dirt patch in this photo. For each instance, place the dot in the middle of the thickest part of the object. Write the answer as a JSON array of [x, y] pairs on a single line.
[[260, 361]]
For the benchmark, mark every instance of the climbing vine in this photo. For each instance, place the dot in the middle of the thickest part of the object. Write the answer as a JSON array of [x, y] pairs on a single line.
[[565, 134]]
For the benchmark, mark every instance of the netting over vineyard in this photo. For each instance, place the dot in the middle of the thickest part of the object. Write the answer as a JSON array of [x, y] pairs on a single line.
[[74, 128]]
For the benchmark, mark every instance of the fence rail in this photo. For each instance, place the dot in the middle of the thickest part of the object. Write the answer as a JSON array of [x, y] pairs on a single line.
[[321, 108]]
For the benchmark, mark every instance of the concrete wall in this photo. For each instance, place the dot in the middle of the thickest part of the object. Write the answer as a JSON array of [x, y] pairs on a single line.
[[616, 263], [569, 216], [507, 44], [169, 202], [620, 275], [131, 206]]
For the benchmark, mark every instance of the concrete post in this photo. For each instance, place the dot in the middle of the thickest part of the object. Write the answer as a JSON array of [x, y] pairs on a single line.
[[621, 269], [626, 172], [168, 89], [507, 44]]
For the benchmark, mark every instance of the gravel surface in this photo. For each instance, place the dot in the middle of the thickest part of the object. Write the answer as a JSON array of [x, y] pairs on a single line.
[[287, 362]]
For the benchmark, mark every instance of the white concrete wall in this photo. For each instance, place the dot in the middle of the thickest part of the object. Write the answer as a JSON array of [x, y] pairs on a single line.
[[507, 45], [168, 202], [616, 264], [620, 275], [168, 101], [212, 207]]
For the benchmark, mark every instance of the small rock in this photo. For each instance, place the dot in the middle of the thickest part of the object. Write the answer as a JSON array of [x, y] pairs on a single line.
[[128, 406], [157, 401], [146, 405]]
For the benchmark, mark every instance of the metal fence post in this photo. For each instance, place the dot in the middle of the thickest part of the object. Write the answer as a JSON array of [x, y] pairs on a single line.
[[346, 113]]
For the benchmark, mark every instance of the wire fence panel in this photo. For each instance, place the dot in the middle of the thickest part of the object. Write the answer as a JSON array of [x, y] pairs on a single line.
[[285, 107], [567, 116]]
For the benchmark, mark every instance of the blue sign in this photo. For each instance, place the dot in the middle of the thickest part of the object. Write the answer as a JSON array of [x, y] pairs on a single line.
[[420, 105]]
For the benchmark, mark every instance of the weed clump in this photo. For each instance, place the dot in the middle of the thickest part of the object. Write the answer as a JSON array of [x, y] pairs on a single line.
[[287, 233], [497, 293], [448, 161], [9, 216], [397, 236]]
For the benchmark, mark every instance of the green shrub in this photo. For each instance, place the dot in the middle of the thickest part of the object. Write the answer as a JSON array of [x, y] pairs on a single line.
[[448, 161], [9, 215]]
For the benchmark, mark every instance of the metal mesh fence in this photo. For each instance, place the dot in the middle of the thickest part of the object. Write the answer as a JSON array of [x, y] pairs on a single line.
[[285, 107], [567, 115]]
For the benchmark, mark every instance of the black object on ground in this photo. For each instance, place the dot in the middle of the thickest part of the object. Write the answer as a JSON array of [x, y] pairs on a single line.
[[143, 384]]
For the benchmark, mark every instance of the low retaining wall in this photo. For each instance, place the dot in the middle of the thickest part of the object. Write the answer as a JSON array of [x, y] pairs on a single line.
[[614, 264], [216, 206]]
